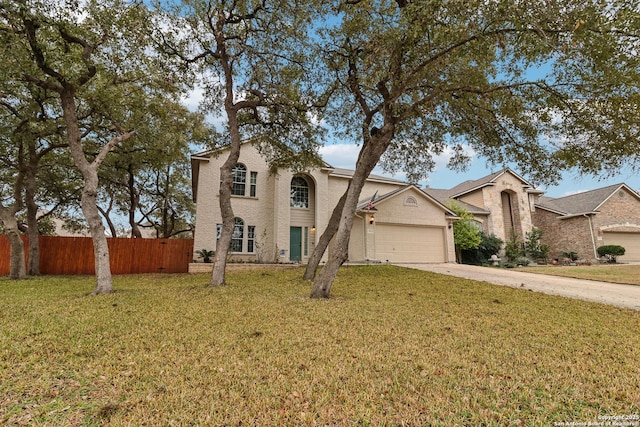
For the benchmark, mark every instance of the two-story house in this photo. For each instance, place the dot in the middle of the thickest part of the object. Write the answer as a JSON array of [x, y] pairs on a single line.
[[280, 215]]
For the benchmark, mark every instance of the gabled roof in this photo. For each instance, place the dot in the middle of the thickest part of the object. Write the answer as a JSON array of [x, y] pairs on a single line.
[[367, 204], [585, 203], [489, 180], [443, 197]]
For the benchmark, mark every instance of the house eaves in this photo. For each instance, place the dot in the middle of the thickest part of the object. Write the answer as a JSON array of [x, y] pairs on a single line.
[[575, 215], [348, 174], [489, 181], [582, 203], [363, 205], [615, 190]]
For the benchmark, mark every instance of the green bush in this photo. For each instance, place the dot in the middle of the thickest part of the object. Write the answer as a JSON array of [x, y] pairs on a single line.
[[533, 247], [611, 252], [571, 255], [205, 254], [489, 245], [513, 249]]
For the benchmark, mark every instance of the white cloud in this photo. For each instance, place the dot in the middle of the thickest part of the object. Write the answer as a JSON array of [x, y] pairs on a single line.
[[193, 99], [340, 155]]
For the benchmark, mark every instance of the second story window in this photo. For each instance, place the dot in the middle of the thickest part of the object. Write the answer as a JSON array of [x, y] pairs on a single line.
[[253, 184], [239, 173], [299, 193]]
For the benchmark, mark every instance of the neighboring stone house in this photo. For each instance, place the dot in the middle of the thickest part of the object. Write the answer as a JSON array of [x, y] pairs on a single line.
[[585, 221], [502, 203], [279, 216]]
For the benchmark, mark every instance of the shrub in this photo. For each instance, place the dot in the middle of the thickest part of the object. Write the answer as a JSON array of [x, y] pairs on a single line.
[[611, 252], [573, 256], [205, 254], [513, 249], [533, 247], [489, 245]]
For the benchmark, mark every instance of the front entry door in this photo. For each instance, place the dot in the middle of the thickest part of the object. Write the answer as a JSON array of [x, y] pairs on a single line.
[[295, 244]]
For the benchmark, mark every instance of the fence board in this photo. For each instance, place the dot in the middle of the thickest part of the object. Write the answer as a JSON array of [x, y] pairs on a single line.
[[74, 255]]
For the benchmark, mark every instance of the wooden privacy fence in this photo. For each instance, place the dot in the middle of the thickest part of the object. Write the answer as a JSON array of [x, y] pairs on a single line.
[[74, 255]]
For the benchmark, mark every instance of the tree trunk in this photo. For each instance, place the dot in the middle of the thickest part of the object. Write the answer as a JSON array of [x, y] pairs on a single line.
[[369, 156], [89, 194], [100, 248], [17, 266], [134, 198], [218, 276], [322, 283], [325, 239], [32, 222]]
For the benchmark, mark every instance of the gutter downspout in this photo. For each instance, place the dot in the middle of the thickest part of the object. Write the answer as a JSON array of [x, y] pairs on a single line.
[[593, 240]]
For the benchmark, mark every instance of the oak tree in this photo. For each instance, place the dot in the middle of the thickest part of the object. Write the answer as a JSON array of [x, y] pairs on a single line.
[[540, 84]]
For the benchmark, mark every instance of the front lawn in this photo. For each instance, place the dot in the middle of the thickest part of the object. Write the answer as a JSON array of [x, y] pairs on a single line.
[[392, 347], [615, 273]]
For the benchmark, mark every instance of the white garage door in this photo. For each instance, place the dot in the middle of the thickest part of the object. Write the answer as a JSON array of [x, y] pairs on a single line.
[[404, 243], [629, 241]]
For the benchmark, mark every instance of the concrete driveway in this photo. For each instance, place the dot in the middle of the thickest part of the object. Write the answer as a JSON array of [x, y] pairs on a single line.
[[627, 296]]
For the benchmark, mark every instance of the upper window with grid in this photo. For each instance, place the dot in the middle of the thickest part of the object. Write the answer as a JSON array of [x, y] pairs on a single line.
[[299, 193], [239, 173]]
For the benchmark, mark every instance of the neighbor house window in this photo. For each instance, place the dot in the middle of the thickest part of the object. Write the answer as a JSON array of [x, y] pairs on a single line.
[[239, 173], [238, 235], [253, 183], [299, 193]]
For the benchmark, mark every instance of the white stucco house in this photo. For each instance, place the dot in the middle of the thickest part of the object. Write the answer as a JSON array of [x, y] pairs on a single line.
[[280, 215]]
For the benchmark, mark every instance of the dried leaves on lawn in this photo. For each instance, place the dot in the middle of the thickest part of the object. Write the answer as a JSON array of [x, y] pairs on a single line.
[[392, 347]]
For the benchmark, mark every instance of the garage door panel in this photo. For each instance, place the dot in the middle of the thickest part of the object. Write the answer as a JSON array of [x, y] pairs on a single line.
[[399, 243], [629, 241]]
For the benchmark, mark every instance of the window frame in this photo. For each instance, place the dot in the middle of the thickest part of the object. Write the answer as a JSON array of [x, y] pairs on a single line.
[[239, 173], [238, 228], [296, 200]]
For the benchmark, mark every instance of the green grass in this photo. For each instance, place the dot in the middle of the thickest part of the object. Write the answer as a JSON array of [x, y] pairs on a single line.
[[615, 273], [392, 347]]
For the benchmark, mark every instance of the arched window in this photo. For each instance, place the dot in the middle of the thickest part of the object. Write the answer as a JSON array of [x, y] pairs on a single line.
[[238, 235], [299, 193], [239, 179]]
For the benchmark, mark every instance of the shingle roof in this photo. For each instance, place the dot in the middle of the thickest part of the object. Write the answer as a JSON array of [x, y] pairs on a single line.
[[363, 204], [470, 185], [581, 203], [348, 173], [443, 196]]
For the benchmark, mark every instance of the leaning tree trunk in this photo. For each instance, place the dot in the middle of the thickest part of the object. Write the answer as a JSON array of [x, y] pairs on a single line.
[[17, 266], [325, 238], [218, 276], [370, 153], [322, 283]]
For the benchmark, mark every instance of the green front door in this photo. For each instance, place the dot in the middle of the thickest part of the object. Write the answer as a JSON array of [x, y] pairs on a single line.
[[295, 244]]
